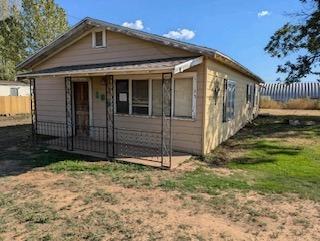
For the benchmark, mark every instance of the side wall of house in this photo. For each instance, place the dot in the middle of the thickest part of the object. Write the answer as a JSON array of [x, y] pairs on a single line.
[[215, 130]]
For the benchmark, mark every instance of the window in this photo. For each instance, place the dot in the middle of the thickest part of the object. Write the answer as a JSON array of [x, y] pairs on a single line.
[[122, 96], [156, 97], [229, 100], [99, 39], [248, 93], [251, 94], [183, 97], [140, 97], [14, 91], [144, 97]]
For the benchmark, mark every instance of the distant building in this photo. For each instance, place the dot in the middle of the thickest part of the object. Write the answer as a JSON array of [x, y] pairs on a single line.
[[284, 92], [14, 88]]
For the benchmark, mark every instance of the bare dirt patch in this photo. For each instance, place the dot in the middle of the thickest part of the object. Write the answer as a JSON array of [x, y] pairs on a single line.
[[92, 206], [39, 203], [15, 120]]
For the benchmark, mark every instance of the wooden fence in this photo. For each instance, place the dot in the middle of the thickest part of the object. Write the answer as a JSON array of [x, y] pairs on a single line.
[[12, 105]]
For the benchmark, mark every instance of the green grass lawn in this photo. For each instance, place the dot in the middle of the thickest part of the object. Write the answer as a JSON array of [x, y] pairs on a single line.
[[268, 156]]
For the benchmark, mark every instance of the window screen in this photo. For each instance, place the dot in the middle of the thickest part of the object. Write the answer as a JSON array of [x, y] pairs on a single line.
[[99, 39], [14, 91], [229, 100], [156, 97], [122, 98], [140, 97], [183, 92]]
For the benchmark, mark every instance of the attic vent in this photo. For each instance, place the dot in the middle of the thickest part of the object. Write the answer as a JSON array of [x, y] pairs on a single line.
[[99, 39]]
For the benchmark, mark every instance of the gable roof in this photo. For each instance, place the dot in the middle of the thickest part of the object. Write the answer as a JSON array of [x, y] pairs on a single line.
[[89, 23]]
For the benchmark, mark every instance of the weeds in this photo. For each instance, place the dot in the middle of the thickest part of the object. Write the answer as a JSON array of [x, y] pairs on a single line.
[[103, 196], [33, 213]]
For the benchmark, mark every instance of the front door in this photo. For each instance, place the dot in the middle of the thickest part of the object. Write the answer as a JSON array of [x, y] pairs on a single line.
[[81, 108]]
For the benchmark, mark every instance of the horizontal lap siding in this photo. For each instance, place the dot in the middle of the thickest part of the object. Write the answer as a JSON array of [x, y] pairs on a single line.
[[119, 48], [216, 131], [186, 133], [50, 94]]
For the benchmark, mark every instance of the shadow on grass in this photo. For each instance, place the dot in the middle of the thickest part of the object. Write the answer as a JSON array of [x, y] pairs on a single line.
[[266, 152], [19, 155]]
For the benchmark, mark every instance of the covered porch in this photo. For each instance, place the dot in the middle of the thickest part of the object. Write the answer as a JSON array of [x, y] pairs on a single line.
[[110, 113]]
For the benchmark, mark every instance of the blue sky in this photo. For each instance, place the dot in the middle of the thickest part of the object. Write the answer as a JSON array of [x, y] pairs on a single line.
[[233, 27]]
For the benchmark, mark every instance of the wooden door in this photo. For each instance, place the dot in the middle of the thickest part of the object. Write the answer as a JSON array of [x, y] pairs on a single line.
[[81, 108]]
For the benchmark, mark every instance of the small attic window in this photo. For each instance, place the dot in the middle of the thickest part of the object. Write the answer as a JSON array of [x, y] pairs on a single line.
[[99, 39]]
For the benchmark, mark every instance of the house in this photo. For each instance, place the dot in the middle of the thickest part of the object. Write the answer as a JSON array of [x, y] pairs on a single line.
[[123, 93], [14, 88]]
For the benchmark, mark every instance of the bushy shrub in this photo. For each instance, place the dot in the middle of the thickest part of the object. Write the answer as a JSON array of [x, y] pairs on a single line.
[[267, 103], [293, 104]]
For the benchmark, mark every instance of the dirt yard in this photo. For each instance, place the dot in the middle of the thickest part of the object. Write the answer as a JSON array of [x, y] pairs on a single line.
[[50, 195], [15, 120]]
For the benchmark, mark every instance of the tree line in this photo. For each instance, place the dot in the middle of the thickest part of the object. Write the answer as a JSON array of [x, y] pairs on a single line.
[[25, 27]]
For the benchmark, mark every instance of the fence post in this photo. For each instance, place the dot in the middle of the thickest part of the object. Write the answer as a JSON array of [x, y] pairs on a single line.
[[69, 113], [33, 110]]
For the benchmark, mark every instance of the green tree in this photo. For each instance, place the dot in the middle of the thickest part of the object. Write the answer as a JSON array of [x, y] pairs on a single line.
[[43, 21], [25, 27], [303, 39], [12, 43]]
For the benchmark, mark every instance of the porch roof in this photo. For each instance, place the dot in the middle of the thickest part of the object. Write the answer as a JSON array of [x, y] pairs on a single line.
[[174, 65]]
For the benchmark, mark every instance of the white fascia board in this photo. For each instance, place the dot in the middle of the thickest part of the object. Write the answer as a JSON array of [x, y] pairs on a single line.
[[187, 65]]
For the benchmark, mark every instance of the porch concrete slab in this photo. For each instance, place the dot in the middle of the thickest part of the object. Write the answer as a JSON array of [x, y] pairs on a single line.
[[154, 161], [176, 160]]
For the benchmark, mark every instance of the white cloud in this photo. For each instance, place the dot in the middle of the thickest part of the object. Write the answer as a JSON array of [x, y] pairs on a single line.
[[263, 13], [181, 34], [138, 24]]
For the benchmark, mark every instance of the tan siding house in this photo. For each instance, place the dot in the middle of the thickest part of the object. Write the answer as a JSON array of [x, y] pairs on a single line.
[[122, 93]]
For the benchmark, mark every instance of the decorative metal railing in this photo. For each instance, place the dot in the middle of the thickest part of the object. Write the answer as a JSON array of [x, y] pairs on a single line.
[[127, 142], [137, 143]]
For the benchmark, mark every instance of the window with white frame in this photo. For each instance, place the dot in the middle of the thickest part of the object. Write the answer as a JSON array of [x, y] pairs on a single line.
[[183, 93], [144, 97], [229, 100], [99, 39], [140, 97]]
